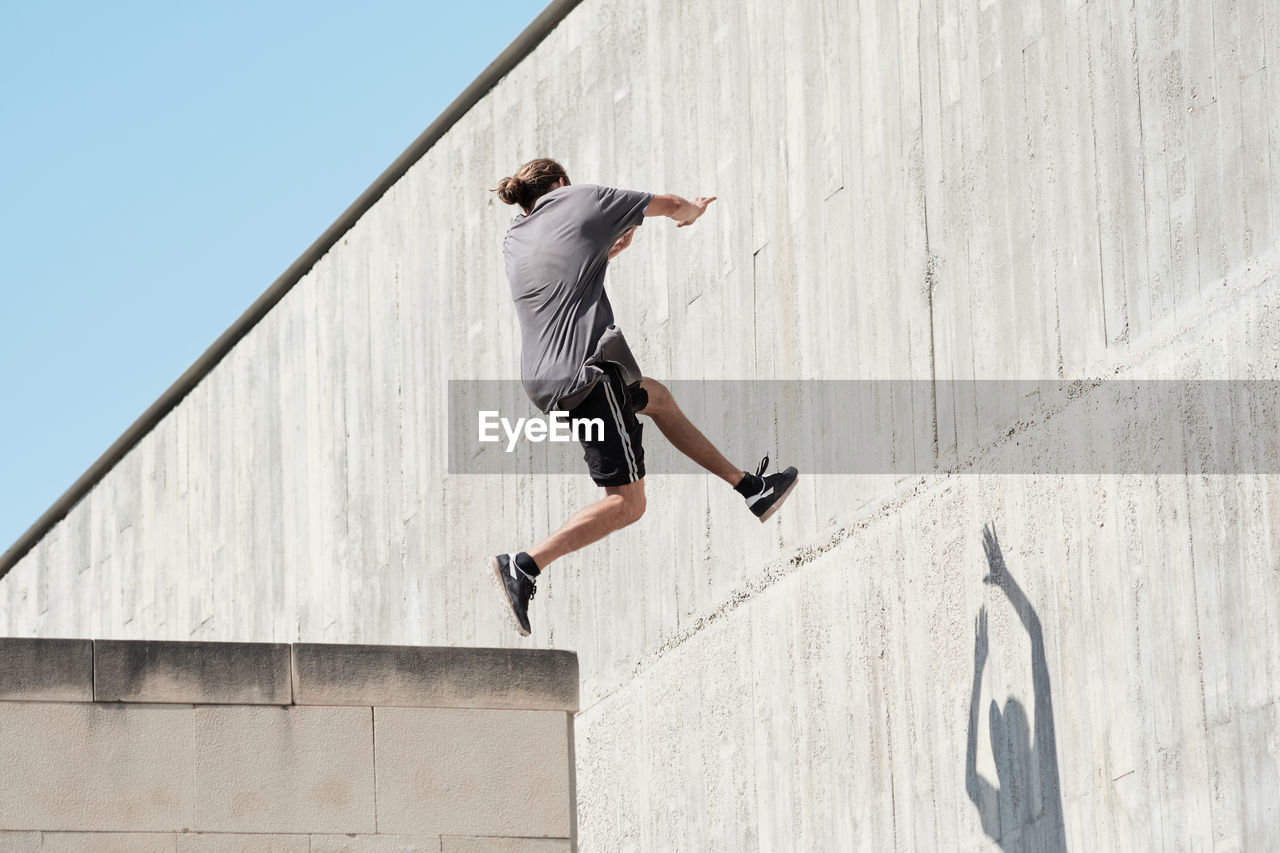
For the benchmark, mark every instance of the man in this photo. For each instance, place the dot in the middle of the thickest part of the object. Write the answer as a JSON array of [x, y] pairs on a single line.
[[574, 359]]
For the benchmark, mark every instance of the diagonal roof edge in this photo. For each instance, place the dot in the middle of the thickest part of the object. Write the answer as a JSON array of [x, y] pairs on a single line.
[[514, 54]]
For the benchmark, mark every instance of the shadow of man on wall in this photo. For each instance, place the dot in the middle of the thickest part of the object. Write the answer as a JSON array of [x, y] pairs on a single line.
[[1025, 812]]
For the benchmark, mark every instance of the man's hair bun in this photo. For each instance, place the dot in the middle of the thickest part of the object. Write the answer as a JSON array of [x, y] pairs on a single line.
[[531, 182], [511, 190]]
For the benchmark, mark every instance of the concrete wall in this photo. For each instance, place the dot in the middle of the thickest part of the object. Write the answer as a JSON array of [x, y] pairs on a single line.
[[140, 746], [924, 190]]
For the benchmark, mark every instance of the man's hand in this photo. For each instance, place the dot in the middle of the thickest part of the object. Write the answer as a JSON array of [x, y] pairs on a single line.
[[996, 571], [696, 208], [622, 242]]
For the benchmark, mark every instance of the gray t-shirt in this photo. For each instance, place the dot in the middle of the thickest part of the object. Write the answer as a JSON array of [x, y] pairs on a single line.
[[556, 259]]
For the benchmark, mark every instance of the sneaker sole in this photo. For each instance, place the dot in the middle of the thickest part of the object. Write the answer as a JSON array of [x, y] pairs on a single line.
[[495, 575], [768, 513]]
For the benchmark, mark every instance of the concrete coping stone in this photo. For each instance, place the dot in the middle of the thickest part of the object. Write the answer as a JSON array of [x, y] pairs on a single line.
[[191, 672], [435, 677], [46, 670], [142, 671]]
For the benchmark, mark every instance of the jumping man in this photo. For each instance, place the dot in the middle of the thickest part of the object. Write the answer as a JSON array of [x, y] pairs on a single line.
[[574, 359]]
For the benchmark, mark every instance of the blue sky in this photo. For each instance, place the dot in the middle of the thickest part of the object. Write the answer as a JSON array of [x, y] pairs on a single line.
[[161, 164]]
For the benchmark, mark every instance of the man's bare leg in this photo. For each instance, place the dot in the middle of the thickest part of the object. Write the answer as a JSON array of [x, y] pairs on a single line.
[[621, 505], [683, 435]]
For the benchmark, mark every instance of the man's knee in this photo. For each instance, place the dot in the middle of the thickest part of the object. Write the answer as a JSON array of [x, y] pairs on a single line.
[[660, 399], [632, 508], [631, 503]]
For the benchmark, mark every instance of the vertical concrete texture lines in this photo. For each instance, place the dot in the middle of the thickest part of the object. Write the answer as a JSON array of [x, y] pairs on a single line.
[[1270, 75]]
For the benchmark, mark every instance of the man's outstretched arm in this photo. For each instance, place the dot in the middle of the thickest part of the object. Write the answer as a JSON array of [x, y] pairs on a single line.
[[683, 211]]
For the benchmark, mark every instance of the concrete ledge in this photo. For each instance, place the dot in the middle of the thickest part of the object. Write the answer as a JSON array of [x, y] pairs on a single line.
[[203, 746], [202, 673], [44, 670], [195, 673], [435, 677]]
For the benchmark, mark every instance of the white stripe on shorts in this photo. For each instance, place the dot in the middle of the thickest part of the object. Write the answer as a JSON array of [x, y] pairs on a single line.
[[622, 427]]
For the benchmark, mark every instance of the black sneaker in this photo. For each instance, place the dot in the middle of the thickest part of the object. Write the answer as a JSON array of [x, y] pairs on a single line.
[[516, 587], [773, 493]]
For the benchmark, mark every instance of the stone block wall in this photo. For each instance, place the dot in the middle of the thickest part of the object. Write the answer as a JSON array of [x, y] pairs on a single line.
[[139, 746]]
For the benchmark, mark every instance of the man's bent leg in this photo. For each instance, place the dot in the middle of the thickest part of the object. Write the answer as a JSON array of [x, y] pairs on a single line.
[[621, 505], [683, 435]]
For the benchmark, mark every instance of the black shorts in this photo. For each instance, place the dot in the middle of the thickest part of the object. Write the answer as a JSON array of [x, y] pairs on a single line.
[[618, 457]]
